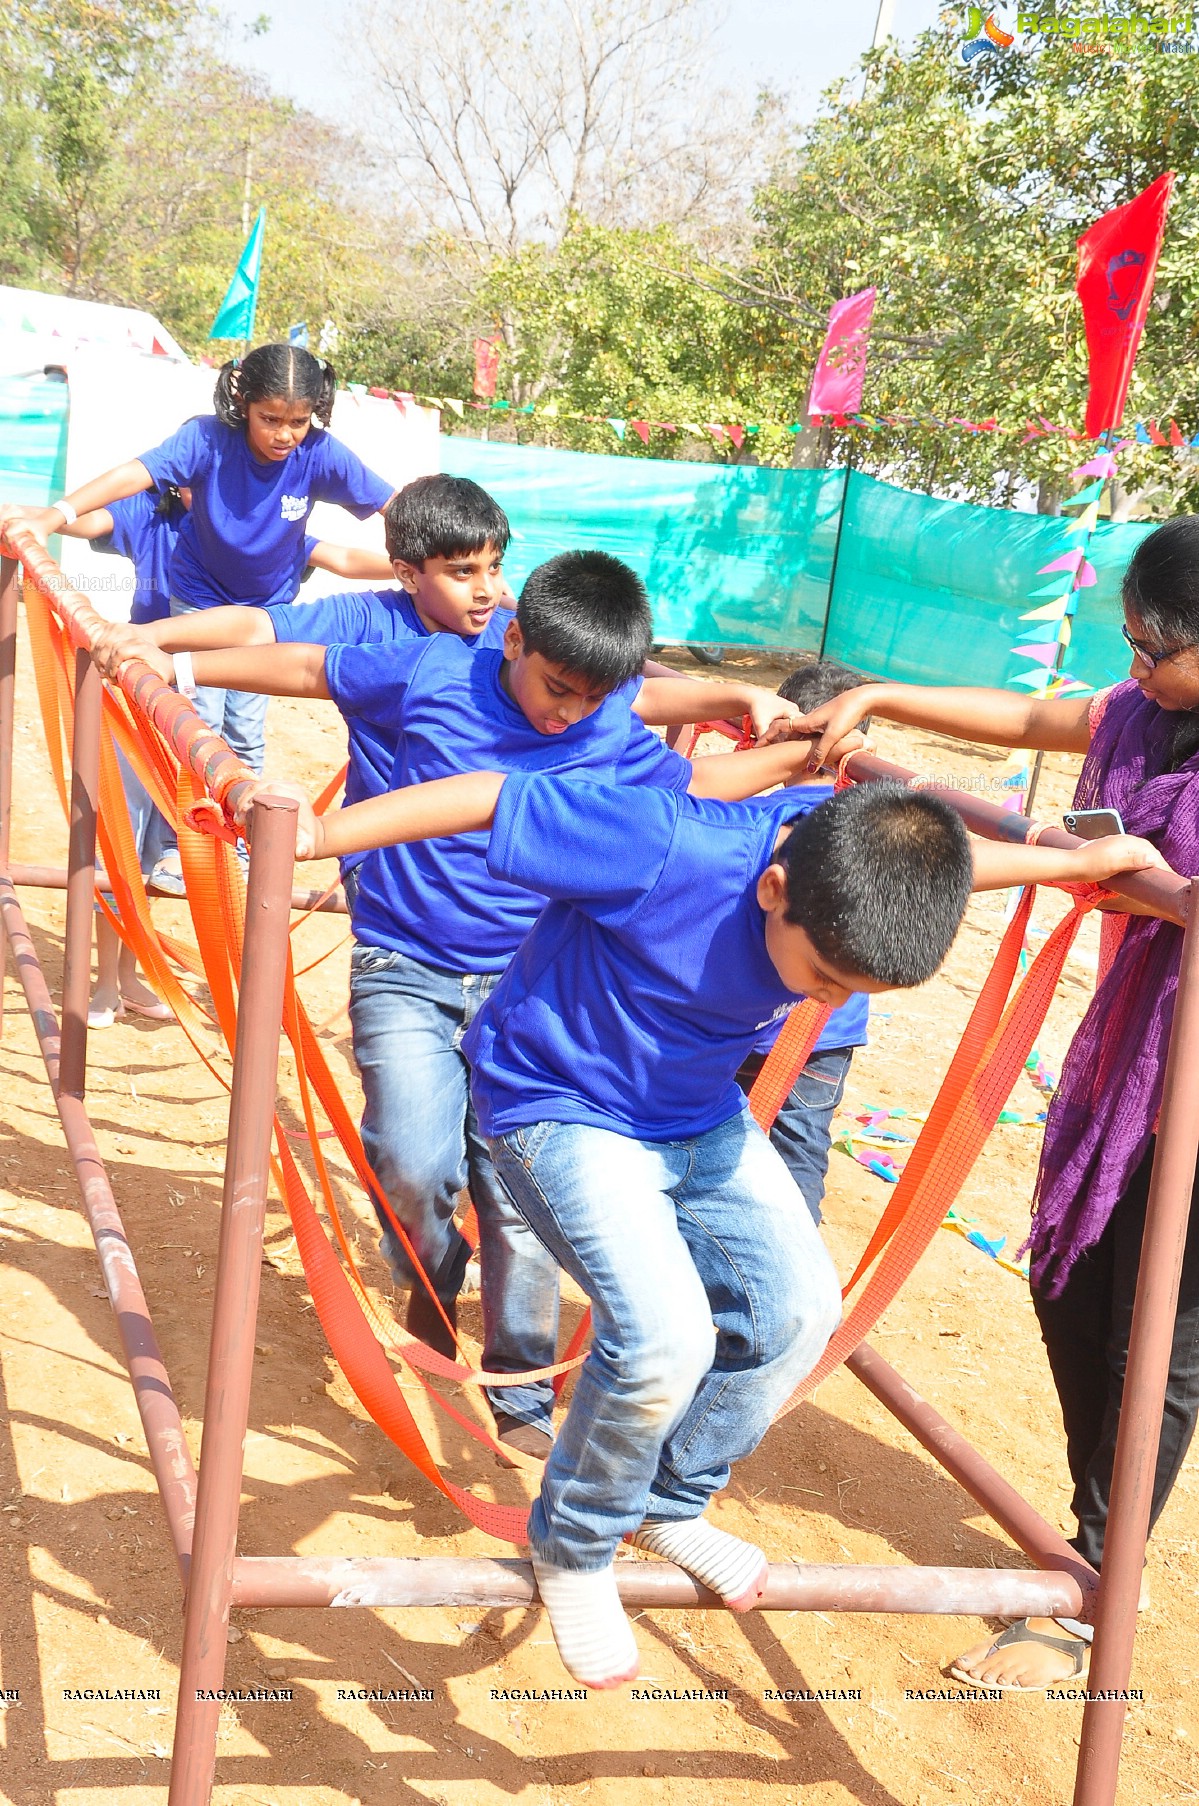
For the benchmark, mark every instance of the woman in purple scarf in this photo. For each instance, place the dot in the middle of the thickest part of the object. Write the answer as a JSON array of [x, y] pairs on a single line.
[[1141, 742]]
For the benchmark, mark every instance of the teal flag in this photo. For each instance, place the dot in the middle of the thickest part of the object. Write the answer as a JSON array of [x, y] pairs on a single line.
[[235, 316]]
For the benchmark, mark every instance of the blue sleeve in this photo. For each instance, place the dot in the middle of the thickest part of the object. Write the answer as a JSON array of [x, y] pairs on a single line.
[[372, 681], [648, 760], [183, 457], [349, 619], [598, 846], [311, 542], [342, 477]]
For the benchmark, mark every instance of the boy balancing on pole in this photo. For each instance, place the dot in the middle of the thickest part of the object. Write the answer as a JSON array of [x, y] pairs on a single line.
[[604, 1076], [434, 930]]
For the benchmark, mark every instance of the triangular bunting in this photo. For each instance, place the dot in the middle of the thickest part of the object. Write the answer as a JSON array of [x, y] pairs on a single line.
[[1102, 465], [1087, 520], [1069, 561], [1044, 655], [1052, 611], [1086, 578], [641, 428], [618, 427], [1091, 493]]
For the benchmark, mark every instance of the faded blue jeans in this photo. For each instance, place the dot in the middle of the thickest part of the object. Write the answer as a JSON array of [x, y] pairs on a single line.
[[422, 1141], [712, 1296], [239, 716]]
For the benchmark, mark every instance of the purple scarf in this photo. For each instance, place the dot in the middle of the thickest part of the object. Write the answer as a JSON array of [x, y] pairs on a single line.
[[1102, 1118]]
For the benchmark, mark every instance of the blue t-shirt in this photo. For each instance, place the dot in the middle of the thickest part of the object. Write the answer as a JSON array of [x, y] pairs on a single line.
[[646, 980], [846, 1027], [140, 532], [447, 711], [372, 617], [243, 539]]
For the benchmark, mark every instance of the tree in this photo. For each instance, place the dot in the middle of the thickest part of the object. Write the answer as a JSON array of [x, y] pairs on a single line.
[[960, 193]]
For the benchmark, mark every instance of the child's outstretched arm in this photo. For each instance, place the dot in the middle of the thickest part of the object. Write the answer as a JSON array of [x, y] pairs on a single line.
[[202, 630], [676, 701], [347, 561], [292, 670], [731, 777], [121, 481], [1001, 864], [419, 812], [998, 717]]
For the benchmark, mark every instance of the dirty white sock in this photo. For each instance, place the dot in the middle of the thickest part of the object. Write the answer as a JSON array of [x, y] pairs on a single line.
[[594, 1638], [725, 1564]]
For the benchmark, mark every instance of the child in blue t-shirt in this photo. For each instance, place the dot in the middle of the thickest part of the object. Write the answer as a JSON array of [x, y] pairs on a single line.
[[604, 1080], [446, 539], [255, 469], [434, 931], [802, 1130]]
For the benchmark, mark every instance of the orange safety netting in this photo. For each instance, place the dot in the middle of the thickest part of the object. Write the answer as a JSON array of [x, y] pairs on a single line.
[[192, 778]]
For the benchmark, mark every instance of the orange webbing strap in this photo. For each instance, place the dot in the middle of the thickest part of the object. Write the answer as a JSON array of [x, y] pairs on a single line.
[[786, 1060], [331, 789], [967, 1107]]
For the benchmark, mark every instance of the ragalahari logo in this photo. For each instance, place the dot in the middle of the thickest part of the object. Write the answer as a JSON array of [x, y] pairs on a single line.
[[983, 34]]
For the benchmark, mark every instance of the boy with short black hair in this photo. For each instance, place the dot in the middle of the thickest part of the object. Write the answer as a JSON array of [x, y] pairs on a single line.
[[802, 1130], [604, 1079], [434, 930]]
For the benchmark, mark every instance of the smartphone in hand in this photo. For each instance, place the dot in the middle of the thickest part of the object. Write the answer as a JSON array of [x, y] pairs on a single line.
[[1092, 824]]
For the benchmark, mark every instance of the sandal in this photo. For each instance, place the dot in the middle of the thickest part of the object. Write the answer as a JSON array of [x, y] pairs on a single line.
[[1077, 1648]]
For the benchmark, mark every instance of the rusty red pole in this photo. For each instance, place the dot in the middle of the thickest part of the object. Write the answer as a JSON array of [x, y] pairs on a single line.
[[169, 1453], [1026, 1527], [8, 675], [81, 875], [1166, 1219], [235, 1305]]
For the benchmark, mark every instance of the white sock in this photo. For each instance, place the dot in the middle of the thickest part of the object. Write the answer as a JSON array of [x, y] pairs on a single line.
[[594, 1638], [725, 1564]]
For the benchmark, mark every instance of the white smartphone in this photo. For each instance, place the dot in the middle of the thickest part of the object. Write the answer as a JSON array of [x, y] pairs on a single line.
[[1092, 824]]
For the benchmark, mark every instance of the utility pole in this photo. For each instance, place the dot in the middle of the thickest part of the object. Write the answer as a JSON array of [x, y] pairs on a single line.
[[883, 23]]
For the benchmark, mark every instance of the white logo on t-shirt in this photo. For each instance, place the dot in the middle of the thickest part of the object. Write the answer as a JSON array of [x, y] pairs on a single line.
[[293, 507]]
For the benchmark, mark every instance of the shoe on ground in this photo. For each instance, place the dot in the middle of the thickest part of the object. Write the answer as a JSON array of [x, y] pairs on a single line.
[[526, 1438], [167, 876], [424, 1321]]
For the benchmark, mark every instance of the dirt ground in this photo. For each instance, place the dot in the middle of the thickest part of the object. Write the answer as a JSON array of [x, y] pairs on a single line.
[[90, 1596]]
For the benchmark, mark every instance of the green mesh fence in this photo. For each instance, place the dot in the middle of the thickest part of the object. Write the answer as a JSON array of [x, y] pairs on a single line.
[[925, 591], [728, 553]]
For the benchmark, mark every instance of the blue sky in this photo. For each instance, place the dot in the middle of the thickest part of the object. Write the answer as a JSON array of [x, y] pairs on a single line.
[[796, 45]]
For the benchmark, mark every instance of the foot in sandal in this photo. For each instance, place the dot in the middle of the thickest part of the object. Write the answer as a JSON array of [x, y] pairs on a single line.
[[1032, 1654]]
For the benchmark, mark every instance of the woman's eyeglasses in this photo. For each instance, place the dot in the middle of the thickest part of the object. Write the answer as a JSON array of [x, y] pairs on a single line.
[[1146, 655]]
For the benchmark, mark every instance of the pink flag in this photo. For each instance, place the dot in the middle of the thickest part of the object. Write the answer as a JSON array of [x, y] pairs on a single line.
[[841, 366]]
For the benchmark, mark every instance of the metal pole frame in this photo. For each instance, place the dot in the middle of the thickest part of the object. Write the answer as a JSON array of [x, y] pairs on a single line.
[[218, 1578]]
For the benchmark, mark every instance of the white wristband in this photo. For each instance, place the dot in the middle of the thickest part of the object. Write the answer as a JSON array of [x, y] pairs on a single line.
[[185, 676], [69, 516]]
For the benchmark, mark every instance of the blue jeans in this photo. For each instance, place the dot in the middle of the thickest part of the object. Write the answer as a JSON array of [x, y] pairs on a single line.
[[712, 1296], [422, 1141], [238, 716], [802, 1130]]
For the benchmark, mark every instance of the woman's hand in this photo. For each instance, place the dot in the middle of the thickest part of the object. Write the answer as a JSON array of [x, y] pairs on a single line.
[[831, 721]]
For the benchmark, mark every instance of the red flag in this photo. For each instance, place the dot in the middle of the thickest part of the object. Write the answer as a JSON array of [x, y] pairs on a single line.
[[487, 363], [1117, 258], [841, 366]]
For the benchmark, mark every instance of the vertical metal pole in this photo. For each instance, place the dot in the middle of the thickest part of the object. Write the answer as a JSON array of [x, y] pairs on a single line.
[[235, 1305], [1144, 1388], [81, 875], [832, 576], [8, 674]]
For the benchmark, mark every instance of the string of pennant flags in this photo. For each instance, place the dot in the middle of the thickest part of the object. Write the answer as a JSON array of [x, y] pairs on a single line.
[[1156, 432]]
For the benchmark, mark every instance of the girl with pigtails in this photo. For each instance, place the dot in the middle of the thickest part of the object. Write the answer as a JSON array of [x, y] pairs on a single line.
[[255, 468]]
